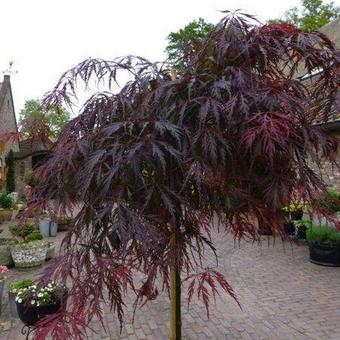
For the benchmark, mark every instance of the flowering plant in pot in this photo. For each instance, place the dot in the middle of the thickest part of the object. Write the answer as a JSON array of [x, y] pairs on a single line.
[[33, 302], [293, 212], [13, 289], [30, 252], [324, 245], [3, 272], [47, 226]]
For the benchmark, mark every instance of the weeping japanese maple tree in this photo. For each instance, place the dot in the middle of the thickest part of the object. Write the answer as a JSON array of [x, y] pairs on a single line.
[[149, 165]]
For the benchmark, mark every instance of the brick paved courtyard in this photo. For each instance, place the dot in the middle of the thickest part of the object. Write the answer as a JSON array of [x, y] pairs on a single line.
[[283, 296]]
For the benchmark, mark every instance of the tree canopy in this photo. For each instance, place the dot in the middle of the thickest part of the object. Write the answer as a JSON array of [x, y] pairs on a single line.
[[186, 41], [233, 135], [313, 15], [36, 119]]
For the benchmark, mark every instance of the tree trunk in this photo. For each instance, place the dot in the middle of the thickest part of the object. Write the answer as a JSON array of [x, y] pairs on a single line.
[[175, 300]]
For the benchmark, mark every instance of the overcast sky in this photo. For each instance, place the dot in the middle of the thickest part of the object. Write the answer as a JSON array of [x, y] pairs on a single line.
[[44, 38]]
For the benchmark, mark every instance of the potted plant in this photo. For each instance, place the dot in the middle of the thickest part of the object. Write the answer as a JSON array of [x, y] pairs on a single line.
[[64, 222], [301, 227], [6, 204], [324, 245], [30, 252], [3, 271], [293, 212], [47, 226], [33, 303], [13, 289]]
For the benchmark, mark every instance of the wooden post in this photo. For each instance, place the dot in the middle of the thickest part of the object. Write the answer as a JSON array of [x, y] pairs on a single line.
[[175, 284]]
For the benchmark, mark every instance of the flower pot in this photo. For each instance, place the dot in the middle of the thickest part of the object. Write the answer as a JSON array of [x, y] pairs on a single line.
[[301, 232], [50, 251], [12, 304], [5, 252], [289, 228], [30, 315], [48, 228], [324, 255], [63, 226], [296, 215], [29, 255], [2, 282]]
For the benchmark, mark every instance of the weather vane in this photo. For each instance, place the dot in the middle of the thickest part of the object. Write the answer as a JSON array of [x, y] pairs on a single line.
[[9, 70]]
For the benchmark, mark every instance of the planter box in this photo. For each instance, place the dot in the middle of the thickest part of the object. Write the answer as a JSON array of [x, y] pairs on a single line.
[[29, 256], [324, 255], [48, 228], [5, 251]]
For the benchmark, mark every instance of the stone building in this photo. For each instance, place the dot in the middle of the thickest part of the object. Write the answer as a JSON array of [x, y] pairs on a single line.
[[8, 124], [331, 174]]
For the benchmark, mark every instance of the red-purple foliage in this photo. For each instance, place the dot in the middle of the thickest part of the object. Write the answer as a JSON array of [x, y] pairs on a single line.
[[232, 136]]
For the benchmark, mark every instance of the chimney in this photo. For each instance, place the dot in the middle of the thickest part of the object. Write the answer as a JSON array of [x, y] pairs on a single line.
[[7, 78]]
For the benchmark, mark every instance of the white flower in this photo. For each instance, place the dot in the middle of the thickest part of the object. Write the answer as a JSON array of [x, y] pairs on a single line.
[[40, 295], [33, 302], [19, 300]]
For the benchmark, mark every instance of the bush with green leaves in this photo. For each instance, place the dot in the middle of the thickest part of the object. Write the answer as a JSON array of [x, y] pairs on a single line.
[[34, 236], [331, 201], [21, 284], [323, 235], [22, 230], [6, 201]]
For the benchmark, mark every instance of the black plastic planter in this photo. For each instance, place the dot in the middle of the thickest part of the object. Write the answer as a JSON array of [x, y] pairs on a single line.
[[30, 315], [289, 228], [324, 255]]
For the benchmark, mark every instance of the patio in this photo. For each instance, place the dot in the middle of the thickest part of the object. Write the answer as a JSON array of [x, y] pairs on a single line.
[[283, 296]]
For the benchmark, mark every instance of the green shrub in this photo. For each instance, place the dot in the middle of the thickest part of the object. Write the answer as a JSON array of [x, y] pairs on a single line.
[[15, 286], [323, 235], [34, 236], [331, 201], [22, 230], [6, 201]]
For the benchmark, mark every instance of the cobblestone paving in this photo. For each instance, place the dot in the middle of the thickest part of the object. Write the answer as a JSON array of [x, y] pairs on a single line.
[[283, 296]]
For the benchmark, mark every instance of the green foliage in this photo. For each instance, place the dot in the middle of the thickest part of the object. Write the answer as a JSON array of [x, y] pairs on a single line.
[[15, 286], [323, 235], [331, 201], [31, 244], [10, 176], [186, 42], [313, 15], [35, 116], [64, 219], [7, 241], [6, 201], [22, 230], [34, 236]]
